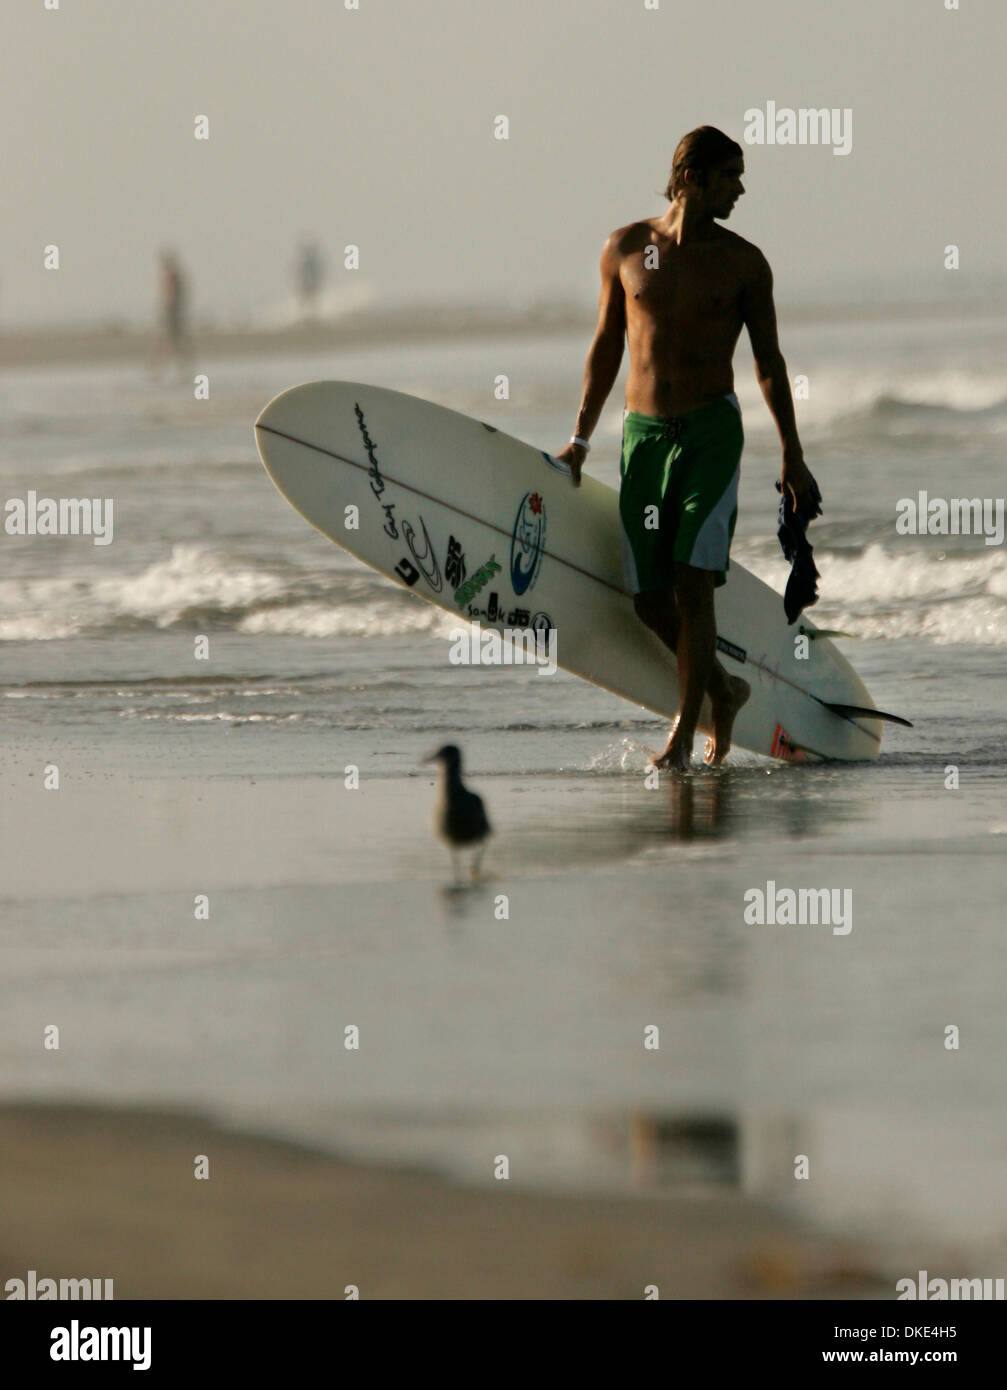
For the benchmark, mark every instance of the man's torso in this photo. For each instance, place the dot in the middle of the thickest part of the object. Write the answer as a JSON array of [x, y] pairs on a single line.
[[684, 315]]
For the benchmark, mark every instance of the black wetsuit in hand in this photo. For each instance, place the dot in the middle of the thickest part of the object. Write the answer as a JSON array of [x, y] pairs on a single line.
[[802, 586]]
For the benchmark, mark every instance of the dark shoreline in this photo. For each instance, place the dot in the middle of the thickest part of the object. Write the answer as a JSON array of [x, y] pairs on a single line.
[[120, 342], [111, 1193]]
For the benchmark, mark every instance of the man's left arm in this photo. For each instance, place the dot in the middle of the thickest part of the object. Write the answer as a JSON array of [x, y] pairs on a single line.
[[771, 371]]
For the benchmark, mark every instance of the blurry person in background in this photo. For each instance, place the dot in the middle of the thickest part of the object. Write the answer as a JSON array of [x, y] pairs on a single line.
[[309, 276], [173, 340]]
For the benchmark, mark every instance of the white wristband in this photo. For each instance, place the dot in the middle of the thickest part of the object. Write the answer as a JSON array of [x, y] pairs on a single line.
[[576, 439]]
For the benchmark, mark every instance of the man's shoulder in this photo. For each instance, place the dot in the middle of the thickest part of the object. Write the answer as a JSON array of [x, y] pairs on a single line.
[[744, 250], [749, 258], [634, 236]]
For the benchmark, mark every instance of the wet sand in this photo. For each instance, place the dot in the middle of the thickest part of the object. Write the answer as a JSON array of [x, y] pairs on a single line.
[[101, 1193], [329, 907]]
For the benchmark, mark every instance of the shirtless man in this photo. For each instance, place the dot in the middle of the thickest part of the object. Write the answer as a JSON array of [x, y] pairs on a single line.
[[679, 288]]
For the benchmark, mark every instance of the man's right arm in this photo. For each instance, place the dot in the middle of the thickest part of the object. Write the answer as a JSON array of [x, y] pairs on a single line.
[[605, 354], [771, 371]]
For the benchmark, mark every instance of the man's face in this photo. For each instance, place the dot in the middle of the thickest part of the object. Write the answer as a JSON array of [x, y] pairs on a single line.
[[724, 187]]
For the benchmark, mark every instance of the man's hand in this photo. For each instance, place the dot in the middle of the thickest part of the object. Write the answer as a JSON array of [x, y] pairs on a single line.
[[574, 455], [797, 483]]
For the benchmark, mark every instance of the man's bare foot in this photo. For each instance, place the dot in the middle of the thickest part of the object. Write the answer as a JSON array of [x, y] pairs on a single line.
[[677, 754], [724, 714]]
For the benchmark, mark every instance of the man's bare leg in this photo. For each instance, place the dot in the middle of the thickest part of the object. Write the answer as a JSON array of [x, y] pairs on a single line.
[[660, 612], [697, 652], [724, 713]]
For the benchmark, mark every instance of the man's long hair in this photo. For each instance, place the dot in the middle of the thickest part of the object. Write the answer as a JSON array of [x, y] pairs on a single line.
[[702, 149]]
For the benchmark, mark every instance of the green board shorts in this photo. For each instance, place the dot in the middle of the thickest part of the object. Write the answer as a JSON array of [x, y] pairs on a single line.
[[679, 495]]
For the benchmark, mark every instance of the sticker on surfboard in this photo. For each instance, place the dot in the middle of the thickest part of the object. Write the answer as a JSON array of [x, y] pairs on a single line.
[[527, 542], [783, 747]]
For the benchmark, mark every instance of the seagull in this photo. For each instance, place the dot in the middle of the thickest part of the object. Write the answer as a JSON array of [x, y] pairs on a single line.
[[460, 818]]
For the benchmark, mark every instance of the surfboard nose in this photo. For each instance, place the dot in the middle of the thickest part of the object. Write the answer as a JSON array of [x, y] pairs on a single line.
[[311, 400]]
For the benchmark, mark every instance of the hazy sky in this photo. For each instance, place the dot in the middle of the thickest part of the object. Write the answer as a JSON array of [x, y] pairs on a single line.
[[375, 127]]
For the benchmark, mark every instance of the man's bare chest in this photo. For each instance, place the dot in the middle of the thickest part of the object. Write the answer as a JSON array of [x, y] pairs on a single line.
[[669, 288]]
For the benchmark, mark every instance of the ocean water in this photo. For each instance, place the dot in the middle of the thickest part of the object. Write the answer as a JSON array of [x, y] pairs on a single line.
[[625, 906]]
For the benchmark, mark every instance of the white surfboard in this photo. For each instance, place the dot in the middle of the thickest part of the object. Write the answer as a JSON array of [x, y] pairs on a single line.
[[493, 530]]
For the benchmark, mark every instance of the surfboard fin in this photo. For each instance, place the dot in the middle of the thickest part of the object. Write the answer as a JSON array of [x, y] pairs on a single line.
[[866, 713], [823, 632]]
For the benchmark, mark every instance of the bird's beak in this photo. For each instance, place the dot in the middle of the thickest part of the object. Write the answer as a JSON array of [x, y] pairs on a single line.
[[431, 759]]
